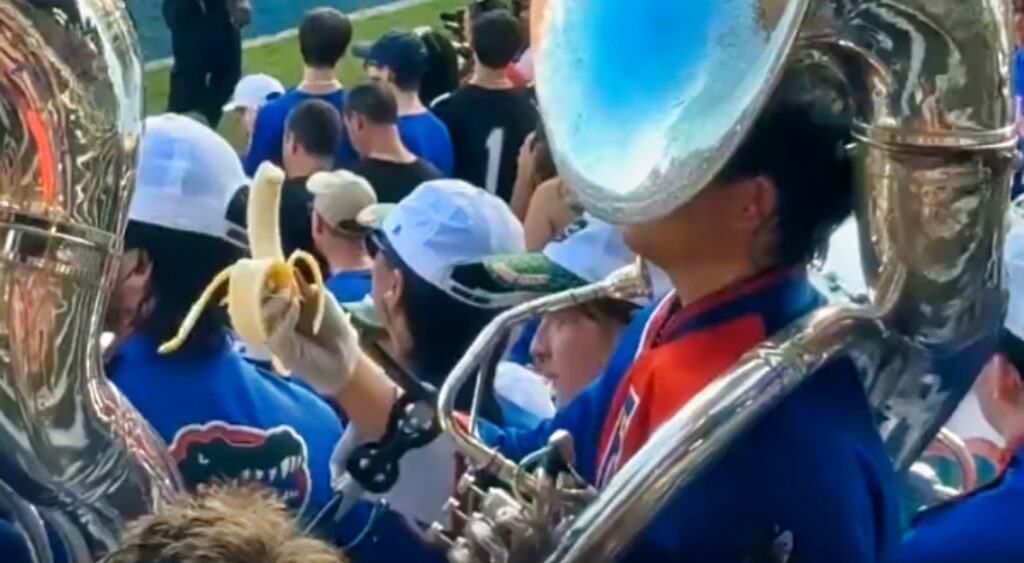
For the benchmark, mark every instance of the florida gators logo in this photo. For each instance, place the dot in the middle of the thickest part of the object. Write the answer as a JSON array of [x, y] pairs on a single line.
[[609, 462], [218, 451]]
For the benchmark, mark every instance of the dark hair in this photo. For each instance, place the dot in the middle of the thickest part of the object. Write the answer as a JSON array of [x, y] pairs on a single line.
[[496, 39], [442, 328], [316, 127], [183, 264], [1012, 348], [800, 143], [478, 8], [442, 74], [543, 161], [324, 36], [616, 310], [374, 101]]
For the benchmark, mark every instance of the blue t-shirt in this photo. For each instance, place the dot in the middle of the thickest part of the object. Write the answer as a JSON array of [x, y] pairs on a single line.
[[427, 137], [812, 479], [349, 287], [268, 132], [983, 526], [224, 419]]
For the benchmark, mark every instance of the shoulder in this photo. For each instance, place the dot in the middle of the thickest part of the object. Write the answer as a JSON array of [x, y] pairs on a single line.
[[427, 170]]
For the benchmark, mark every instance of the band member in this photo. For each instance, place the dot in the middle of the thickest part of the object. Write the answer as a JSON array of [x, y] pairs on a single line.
[[222, 418], [206, 43], [984, 525], [811, 482]]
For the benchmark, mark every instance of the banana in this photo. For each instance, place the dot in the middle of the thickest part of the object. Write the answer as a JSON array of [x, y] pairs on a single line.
[[267, 274]]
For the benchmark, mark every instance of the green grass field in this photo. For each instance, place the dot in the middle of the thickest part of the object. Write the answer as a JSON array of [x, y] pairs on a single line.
[[282, 60]]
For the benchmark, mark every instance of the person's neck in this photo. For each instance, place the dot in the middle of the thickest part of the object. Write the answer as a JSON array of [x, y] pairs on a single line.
[[387, 145], [305, 166], [490, 78], [342, 258], [408, 102], [319, 81], [694, 281]]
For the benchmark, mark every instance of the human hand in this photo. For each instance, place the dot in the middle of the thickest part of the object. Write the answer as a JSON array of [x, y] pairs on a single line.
[[527, 155], [325, 360]]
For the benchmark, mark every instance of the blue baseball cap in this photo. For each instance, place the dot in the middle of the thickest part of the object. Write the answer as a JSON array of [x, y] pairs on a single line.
[[403, 52]]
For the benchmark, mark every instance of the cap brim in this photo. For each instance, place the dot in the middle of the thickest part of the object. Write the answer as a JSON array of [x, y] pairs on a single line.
[[362, 49], [373, 217], [518, 273]]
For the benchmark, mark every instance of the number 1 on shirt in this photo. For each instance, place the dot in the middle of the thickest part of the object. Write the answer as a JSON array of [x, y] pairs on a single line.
[[495, 142]]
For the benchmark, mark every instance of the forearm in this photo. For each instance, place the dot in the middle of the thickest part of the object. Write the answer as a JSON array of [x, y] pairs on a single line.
[[368, 397]]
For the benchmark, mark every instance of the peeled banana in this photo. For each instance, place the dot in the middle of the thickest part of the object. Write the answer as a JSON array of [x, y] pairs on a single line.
[[267, 274]]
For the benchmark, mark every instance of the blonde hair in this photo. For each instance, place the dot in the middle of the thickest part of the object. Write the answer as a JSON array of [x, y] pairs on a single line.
[[221, 524]]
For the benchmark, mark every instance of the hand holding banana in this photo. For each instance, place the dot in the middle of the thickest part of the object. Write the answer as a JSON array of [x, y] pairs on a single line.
[[266, 279]]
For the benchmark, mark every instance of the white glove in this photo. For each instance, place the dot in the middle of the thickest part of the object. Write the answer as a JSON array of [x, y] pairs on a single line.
[[325, 360]]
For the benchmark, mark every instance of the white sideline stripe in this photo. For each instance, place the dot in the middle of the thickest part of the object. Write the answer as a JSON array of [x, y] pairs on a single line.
[[289, 33]]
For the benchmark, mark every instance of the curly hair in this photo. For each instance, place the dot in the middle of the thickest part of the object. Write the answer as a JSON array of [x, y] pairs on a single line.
[[221, 524]]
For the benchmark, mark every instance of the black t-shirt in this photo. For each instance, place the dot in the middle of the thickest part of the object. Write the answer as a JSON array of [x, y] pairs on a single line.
[[394, 180], [296, 215], [487, 128]]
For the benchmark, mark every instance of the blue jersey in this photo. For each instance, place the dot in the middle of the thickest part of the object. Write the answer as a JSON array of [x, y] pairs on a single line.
[[810, 483], [268, 132], [427, 137], [349, 287], [225, 420], [984, 526]]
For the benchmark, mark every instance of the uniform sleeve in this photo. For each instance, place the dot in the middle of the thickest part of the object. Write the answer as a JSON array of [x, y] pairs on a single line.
[[266, 140]]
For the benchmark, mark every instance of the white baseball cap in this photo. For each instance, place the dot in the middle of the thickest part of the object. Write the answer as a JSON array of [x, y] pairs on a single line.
[[253, 91], [443, 224], [586, 252], [186, 177]]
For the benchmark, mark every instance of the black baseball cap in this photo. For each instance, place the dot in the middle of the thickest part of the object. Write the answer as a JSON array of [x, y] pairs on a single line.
[[401, 51]]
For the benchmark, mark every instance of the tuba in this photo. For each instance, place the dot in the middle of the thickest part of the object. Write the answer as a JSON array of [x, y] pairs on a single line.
[[74, 454], [925, 88]]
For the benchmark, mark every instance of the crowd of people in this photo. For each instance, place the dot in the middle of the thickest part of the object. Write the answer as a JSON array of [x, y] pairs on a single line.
[[432, 203]]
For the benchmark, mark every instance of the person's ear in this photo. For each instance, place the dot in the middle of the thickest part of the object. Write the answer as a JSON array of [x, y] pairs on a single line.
[[318, 225], [393, 292], [755, 200], [143, 267]]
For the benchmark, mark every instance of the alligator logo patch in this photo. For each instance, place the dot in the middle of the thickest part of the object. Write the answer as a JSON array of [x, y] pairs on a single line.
[[218, 451]]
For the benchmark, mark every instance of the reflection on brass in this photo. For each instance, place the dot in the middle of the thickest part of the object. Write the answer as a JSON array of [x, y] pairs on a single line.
[[925, 89], [71, 446]]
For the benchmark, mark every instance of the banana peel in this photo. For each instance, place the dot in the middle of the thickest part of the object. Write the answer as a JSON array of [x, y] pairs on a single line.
[[245, 286]]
